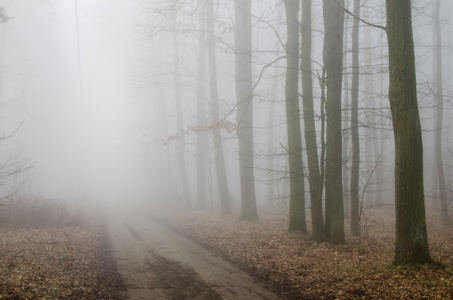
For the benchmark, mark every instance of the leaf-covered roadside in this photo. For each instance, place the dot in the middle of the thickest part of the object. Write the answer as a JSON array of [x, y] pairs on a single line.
[[300, 268], [72, 262]]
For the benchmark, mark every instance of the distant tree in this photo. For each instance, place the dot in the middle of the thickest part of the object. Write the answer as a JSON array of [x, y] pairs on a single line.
[[182, 140], [222, 178], [270, 139], [202, 143], [411, 234], [296, 170], [346, 122], [244, 96], [333, 63], [439, 102], [3, 15]]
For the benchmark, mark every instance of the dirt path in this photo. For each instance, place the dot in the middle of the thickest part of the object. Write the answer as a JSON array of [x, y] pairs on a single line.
[[158, 263]]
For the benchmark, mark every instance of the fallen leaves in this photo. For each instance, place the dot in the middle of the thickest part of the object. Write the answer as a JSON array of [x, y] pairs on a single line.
[[55, 263], [301, 268]]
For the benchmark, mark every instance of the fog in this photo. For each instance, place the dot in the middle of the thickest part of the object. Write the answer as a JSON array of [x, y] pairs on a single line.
[[206, 149], [72, 93], [87, 99]]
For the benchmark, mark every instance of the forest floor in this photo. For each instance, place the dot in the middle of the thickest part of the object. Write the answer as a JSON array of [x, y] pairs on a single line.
[[69, 262], [78, 261], [300, 268]]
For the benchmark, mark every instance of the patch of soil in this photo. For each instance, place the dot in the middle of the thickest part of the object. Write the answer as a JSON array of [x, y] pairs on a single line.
[[72, 262], [180, 281]]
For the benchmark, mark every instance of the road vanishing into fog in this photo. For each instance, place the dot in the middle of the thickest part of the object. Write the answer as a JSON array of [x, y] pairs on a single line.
[[158, 263]]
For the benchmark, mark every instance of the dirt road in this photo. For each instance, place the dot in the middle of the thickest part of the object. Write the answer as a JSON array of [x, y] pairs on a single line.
[[158, 263]]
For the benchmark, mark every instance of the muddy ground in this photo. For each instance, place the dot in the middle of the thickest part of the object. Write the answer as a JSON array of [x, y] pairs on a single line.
[[158, 263]]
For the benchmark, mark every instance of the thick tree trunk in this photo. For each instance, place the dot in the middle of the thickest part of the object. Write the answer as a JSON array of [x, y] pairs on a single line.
[[355, 169], [411, 234], [314, 176], [222, 179], [439, 99], [296, 170], [244, 96], [333, 63]]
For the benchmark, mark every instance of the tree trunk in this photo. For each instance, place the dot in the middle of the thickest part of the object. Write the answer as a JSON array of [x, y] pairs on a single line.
[[202, 135], [243, 79], [439, 98], [355, 169], [222, 179], [182, 142], [314, 176], [346, 121], [333, 63], [296, 171], [270, 140], [411, 234], [244, 96]]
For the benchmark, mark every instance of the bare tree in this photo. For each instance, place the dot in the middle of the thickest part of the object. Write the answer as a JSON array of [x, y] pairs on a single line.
[[439, 102], [182, 141], [244, 96], [202, 135], [217, 138], [314, 176], [296, 170], [355, 170], [333, 63], [411, 234]]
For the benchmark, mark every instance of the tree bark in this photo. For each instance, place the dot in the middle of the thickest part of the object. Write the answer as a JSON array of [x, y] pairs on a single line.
[[411, 234], [333, 63], [314, 176], [244, 96], [296, 171]]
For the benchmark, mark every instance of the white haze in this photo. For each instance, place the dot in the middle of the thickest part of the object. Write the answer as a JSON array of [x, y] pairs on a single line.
[[83, 144]]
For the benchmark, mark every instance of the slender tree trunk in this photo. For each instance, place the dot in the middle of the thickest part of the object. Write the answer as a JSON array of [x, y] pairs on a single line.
[[222, 179], [202, 134], [182, 140], [314, 178], [166, 179], [439, 97], [244, 95], [333, 63], [382, 138], [322, 134], [411, 234], [355, 169], [380, 169], [270, 139], [296, 170], [346, 119]]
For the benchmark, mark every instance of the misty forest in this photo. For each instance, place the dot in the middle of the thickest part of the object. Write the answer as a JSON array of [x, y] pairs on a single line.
[[209, 149]]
